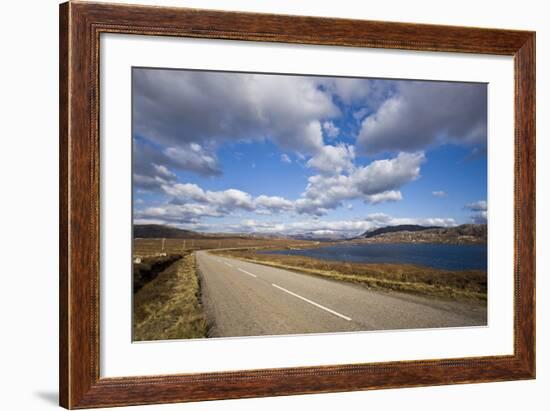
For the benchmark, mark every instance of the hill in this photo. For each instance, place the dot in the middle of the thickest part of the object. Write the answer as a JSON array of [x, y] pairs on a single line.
[[462, 234], [166, 231], [321, 236], [163, 231], [396, 228]]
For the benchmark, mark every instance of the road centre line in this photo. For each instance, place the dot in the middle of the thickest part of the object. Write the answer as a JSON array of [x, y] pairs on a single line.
[[322, 307], [246, 272], [311, 302]]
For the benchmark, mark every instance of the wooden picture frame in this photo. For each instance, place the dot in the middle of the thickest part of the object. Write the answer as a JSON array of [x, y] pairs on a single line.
[[80, 27]]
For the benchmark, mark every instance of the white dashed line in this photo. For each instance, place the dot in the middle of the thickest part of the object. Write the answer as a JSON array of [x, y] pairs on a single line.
[[246, 272], [311, 302], [227, 264]]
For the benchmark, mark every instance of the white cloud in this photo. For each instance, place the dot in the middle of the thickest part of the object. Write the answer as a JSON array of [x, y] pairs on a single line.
[[285, 158], [379, 219], [185, 192], [480, 205], [391, 195], [479, 217], [164, 172], [439, 193], [479, 211], [193, 157], [421, 113], [273, 203], [231, 199], [375, 183], [176, 213], [178, 107], [344, 228], [388, 174], [223, 201], [379, 181], [227, 201], [323, 193], [189, 114], [152, 167], [360, 114], [186, 217], [348, 90], [143, 182], [331, 131], [333, 159]]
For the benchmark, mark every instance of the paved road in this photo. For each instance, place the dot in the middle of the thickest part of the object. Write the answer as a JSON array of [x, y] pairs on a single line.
[[243, 298]]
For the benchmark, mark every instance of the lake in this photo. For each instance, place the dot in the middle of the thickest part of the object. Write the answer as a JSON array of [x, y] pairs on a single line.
[[451, 257]]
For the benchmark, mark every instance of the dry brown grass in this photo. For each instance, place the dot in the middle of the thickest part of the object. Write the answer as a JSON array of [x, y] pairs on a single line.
[[149, 267], [144, 247], [462, 285], [169, 306]]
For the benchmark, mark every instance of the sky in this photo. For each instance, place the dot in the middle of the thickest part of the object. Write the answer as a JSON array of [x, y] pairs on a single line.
[[286, 154]]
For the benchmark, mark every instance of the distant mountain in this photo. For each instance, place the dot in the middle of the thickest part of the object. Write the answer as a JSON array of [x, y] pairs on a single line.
[[396, 228], [259, 234], [407, 233], [163, 231], [473, 230], [462, 234], [322, 236]]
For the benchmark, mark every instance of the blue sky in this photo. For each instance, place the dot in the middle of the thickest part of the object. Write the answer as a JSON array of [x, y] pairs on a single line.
[[262, 153]]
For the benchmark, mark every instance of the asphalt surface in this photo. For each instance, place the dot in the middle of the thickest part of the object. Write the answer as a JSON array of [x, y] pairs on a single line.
[[247, 299]]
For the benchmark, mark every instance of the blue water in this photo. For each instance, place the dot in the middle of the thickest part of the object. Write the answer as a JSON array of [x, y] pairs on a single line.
[[450, 257]]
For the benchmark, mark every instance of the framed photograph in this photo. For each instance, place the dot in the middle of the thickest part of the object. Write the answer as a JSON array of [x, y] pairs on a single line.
[[258, 205]]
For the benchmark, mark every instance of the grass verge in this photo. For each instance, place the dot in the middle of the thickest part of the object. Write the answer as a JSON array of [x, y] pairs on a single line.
[[168, 307], [469, 285], [149, 267]]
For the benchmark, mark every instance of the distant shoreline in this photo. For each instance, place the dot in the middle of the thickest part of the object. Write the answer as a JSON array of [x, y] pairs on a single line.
[[462, 234]]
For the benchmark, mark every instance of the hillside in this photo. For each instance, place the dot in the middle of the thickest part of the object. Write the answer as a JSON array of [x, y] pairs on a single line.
[[321, 236], [463, 234], [163, 231], [396, 228]]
